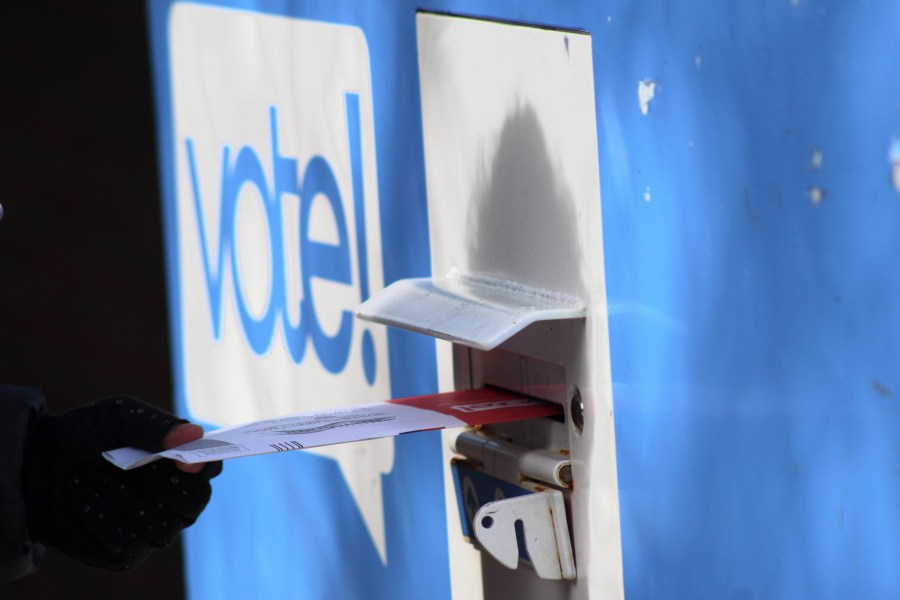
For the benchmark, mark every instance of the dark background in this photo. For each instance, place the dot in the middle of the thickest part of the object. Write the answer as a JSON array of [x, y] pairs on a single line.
[[82, 289]]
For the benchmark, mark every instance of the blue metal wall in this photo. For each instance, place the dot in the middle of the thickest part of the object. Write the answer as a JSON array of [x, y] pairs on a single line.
[[752, 246], [755, 334]]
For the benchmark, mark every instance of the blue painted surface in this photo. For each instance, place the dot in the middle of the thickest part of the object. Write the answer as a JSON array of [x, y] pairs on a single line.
[[755, 334], [755, 349]]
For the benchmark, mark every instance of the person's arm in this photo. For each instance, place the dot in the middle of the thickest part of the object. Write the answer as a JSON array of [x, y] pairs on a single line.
[[19, 410], [104, 517]]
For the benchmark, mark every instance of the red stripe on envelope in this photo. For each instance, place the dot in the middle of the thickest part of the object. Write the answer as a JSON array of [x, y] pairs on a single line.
[[483, 406], [349, 424]]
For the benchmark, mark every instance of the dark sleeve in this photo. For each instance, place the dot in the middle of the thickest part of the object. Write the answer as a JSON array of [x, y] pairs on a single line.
[[19, 408]]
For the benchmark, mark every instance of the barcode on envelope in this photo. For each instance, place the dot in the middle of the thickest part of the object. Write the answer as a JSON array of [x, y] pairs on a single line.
[[287, 446]]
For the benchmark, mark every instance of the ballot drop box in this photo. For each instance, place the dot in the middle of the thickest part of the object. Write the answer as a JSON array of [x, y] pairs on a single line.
[[677, 224]]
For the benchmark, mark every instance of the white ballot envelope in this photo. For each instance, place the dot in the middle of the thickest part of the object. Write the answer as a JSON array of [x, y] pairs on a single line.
[[462, 408]]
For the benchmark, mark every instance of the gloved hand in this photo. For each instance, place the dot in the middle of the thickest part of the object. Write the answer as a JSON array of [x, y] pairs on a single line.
[[95, 512]]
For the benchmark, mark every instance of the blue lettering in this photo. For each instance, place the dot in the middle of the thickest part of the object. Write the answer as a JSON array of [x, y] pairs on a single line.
[[247, 170], [284, 172], [213, 276], [324, 261], [351, 105], [331, 262]]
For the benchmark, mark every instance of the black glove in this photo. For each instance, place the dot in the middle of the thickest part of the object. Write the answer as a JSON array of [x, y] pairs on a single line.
[[93, 511]]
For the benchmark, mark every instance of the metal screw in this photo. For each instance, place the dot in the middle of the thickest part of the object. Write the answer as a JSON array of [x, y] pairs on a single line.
[[576, 409]]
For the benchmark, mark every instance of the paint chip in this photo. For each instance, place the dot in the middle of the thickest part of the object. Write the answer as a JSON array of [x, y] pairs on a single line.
[[646, 91], [815, 161], [647, 197], [816, 194]]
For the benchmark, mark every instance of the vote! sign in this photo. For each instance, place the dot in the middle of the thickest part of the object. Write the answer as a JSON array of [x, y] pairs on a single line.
[[277, 213]]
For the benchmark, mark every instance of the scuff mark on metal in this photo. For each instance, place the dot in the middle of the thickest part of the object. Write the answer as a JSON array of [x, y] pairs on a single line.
[[894, 158], [881, 389], [750, 210]]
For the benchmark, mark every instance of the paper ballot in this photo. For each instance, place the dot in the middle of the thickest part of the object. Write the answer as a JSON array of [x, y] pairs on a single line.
[[481, 406]]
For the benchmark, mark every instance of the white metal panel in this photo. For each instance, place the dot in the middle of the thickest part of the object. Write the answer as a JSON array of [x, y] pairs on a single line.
[[514, 193]]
